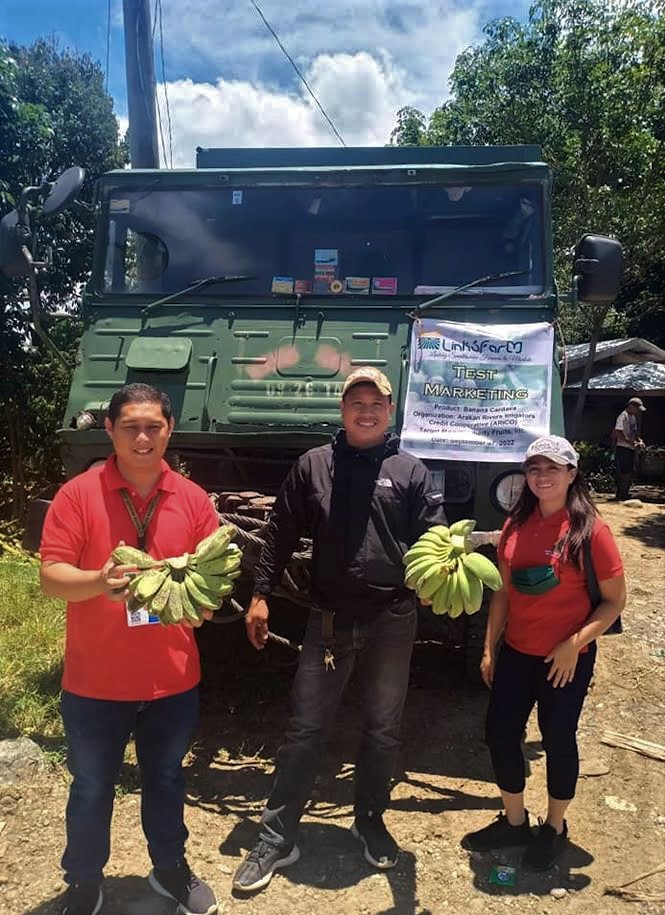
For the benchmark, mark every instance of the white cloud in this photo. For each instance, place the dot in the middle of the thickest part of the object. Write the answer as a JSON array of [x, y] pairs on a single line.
[[420, 37], [363, 58], [358, 92]]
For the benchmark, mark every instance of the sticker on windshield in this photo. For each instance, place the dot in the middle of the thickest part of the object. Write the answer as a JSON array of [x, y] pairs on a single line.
[[303, 287], [282, 284], [384, 285], [119, 206], [357, 285], [326, 256], [322, 283], [237, 198], [325, 270]]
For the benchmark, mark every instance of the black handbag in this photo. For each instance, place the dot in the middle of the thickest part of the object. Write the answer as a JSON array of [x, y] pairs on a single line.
[[594, 588]]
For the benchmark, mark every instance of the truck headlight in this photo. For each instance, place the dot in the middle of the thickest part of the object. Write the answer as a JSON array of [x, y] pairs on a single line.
[[506, 489], [85, 420]]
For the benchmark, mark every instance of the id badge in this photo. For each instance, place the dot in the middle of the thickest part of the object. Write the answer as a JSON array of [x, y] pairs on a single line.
[[140, 617]]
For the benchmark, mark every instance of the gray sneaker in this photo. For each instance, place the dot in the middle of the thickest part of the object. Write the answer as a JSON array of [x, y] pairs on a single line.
[[193, 895], [82, 899], [261, 863], [379, 847]]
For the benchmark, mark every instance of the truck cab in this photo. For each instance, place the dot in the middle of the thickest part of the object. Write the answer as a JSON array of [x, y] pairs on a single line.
[[248, 288]]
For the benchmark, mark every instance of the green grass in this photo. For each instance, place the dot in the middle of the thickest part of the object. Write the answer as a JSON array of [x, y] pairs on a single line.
[[32, 629]]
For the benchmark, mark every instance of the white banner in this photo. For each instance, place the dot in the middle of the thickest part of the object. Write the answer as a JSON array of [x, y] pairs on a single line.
[[477, 392]]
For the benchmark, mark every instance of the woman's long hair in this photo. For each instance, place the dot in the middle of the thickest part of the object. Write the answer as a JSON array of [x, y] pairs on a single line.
[[581, 510]]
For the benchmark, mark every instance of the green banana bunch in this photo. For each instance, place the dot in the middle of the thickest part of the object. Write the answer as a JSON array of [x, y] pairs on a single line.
[[483, 568], [144, 587], [180, 587], [131, 556], [442, 568], [216, 544]]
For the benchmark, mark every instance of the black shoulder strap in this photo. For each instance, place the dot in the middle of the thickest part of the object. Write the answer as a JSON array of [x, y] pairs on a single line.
[[590, 574], [594, 588]]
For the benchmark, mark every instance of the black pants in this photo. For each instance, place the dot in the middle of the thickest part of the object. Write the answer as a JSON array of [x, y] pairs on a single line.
[[624, 462], [520, 681], [380, 650]]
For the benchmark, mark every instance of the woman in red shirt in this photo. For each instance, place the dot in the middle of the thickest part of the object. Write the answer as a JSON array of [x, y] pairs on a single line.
[[549, 628]]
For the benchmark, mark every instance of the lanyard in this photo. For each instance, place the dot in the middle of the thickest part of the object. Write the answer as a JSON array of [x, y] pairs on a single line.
[[140, 525]]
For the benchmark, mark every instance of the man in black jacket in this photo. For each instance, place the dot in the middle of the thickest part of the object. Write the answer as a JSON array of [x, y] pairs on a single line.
[[364, 503]]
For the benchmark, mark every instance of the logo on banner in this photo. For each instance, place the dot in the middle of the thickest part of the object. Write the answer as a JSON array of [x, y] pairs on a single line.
[[431, 340]]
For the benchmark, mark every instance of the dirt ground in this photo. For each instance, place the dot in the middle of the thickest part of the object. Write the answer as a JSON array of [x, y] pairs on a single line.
[[617, 822]]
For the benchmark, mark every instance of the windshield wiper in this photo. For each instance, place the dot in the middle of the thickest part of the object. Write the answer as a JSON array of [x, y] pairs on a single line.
[[419, 309], [198, 284]]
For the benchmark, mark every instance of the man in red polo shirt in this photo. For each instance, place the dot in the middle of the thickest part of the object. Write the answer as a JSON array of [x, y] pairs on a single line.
[[125, 672]]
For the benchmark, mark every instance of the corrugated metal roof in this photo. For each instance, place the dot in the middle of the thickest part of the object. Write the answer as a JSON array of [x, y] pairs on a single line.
[[578, 354], [647, 377]]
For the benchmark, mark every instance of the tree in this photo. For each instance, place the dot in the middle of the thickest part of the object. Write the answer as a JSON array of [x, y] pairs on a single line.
[[584, 79], [54, 113], [410, 128]]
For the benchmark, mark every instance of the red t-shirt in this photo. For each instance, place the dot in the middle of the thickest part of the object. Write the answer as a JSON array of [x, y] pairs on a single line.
[[538, 622], [105, 657]]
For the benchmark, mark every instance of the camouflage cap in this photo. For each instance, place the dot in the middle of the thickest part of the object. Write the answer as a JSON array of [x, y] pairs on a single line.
[[368, 375]]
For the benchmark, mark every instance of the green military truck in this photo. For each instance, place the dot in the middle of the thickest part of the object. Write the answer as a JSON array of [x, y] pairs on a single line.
[[249, 287]]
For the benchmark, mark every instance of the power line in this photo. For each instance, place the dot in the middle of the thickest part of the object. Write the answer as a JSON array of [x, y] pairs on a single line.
[[164, 83], [295, 67], [108, 42], [159, 111]]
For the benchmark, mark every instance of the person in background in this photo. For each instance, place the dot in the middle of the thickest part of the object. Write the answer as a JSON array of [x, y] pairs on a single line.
[[543, 615], [125, 672], [626, 438], [364, 503]]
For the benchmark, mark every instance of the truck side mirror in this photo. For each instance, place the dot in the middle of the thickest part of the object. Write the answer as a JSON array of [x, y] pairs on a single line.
[[64, 191], [597, 268], [15, 230]]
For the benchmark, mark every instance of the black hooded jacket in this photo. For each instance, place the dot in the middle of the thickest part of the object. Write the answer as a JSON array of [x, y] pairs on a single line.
[[363, 509]]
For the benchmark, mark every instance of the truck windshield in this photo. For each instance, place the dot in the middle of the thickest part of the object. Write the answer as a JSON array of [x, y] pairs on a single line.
[[379, 240]]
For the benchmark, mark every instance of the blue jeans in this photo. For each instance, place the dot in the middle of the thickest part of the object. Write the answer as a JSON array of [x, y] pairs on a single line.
[[97, 733], [380, 649]]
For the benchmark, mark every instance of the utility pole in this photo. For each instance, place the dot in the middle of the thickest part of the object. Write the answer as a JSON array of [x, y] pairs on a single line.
[[141, 89]]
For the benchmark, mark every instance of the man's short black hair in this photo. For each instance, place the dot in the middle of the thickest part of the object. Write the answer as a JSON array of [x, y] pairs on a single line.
[[138, 393]]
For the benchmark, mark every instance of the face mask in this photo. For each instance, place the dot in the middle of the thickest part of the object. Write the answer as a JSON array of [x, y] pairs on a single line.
[[534, 579]]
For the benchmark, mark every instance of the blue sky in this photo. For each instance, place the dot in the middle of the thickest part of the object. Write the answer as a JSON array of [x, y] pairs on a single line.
[[229, 84]]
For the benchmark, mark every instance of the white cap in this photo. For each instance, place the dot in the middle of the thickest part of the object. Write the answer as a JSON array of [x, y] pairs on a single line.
[[636, 402], [554, 448]]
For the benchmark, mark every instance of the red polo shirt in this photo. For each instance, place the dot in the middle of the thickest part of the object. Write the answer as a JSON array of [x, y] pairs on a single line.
[[538, 622], [105, 658]]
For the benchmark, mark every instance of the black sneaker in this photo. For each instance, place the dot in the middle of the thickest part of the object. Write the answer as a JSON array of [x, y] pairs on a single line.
[[83, 899], [260, 864], [499, 834], [193, 895], [545, 847], [379, 847]]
